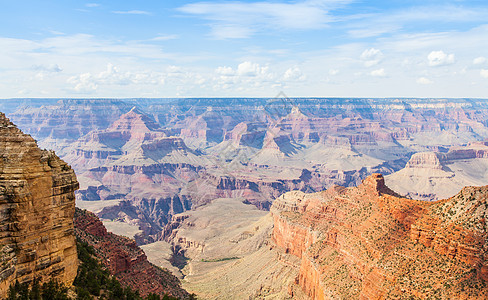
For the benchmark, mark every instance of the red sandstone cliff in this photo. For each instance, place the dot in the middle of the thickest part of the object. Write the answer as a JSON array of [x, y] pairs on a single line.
[[37, 204], [124, 259], [368, 243]]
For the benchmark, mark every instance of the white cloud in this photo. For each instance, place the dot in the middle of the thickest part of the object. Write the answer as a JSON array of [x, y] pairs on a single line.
[[242, 19], [251, 76], [248, 68], [226, 71], [132, 12], [83, 83], [424, 81], [165, 37], [55, 32], [484, 73], [378, 73], [439, 58], [88, 82], [371, 57], [333, 72], [377, 24], [92, 5], [479, 60], [294, 74], [231, 31]]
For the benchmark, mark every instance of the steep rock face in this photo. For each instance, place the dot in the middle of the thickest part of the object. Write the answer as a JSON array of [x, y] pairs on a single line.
[[368, 243], [124, 259], [427, 160], [37, 204]]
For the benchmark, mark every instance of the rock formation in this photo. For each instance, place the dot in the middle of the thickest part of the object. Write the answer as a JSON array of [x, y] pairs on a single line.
[[37, 204], [57, 123], [438, 175], [124, 259], [369, 243], [165, 156]]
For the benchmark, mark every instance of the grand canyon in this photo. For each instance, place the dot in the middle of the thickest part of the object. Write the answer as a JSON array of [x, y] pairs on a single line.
[[244, 149], [303, 198]]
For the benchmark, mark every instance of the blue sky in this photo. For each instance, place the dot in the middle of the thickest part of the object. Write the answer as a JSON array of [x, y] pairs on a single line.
[[243, 48]]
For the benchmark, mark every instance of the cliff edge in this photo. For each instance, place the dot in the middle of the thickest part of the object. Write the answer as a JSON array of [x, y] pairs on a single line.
[[124, 259], [37, 205], [367, 242]]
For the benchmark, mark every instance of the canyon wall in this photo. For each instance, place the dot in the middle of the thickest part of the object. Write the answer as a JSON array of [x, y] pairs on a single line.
[[369, 243], [37, 205], [124, 259]]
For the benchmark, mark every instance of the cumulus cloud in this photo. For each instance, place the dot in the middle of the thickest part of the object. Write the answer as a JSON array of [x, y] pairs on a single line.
[[88, 82], [371, 57], [378, 73], [83, 83], [250, 74], [484, 73], [294, 74], [479, 60], [248, 68], [424, 81], [440, 58]]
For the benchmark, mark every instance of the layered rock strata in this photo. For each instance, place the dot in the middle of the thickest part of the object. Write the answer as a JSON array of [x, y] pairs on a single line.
[[369, 243], [37, 204]]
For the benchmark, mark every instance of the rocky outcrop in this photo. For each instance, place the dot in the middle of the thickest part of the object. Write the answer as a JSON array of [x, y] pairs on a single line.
[[437, 175], [369, 243], [124, 259], [427, 160], [37, 204]]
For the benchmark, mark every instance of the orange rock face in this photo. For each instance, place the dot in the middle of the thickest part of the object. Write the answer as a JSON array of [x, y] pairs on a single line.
[[368, 243], [37, 205], [124, 259]]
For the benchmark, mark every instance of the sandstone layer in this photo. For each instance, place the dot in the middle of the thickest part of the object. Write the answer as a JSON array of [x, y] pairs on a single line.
[[124, 259], [37, 205], [369, 243]]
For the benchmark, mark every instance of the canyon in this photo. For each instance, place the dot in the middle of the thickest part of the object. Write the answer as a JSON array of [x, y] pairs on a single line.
[[41, 227], [364, 242], [192, 180], [148, 159]]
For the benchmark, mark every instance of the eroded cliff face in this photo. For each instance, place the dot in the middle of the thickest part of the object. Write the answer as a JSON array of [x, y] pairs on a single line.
[[124, 259], [37, 205], [369, 243], [440, 175]]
